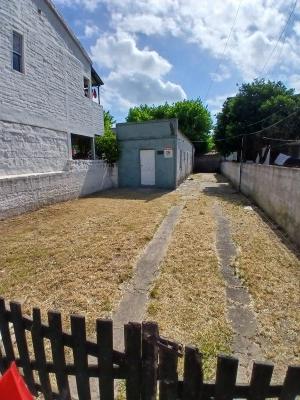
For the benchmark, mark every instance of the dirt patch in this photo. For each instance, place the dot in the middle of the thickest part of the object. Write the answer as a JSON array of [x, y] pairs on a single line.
[[75, 256]]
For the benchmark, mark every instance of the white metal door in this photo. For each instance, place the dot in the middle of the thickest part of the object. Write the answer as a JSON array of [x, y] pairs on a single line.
[[147, 158]]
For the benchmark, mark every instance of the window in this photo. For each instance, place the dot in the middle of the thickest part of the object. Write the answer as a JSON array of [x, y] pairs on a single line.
[[17, 55], [86, 87], [82, 147]]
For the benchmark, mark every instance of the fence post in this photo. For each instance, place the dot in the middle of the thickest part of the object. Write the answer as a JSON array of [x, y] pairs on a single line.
[[291, 385], [105, 358], [132, 333], [40, 354], [16, 316], [5, 334], [80, 357], [168, 376], [226, 376], [58, 354], [149, 360], [260, 381], [193, 374]]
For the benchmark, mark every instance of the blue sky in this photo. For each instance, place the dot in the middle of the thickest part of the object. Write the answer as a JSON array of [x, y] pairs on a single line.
[[152, 51]]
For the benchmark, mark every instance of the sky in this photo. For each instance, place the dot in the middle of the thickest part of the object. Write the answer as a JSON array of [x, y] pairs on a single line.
[[153, 51]]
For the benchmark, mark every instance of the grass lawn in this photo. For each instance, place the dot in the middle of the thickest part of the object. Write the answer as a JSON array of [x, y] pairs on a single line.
[[75, 256], [271, 271], [188, 300]]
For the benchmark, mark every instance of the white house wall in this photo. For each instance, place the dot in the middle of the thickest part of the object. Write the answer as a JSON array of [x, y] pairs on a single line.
[[50, 92], [185, 167]]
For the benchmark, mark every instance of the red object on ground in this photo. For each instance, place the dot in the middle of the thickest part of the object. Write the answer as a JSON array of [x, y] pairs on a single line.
[[12, 385]]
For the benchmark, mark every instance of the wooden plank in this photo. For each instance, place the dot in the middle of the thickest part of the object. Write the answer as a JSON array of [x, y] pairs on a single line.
[[150, 338], [40, 355], [5, 334], [16, 314], [226, 376], [193, 374], [3, 364], [58, 354], [80, 356], [291, 385], [260, 381], [168, 376], [105, 358], [132, 333]]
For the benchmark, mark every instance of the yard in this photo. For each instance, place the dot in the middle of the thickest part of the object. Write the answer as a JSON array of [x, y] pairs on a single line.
[[78, 256]]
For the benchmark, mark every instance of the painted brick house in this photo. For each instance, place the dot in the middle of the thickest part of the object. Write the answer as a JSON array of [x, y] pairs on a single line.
[[48, 114]]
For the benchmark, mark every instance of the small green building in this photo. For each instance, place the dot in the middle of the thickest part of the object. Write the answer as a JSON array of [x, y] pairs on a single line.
[[153, 153]]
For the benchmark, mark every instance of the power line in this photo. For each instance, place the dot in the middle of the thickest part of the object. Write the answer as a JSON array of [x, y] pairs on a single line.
[[252, 133], [280, 37], [224, 50]]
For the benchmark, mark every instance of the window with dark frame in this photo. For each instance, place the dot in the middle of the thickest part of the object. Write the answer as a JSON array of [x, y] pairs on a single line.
[[86, 87], [17, 54]]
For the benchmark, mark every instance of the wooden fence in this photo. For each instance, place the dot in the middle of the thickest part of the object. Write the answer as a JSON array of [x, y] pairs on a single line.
[[149, 364]]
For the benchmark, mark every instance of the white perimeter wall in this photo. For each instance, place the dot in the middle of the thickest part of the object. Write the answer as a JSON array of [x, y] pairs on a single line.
[[184, 145], [275, 189], [19, 194]]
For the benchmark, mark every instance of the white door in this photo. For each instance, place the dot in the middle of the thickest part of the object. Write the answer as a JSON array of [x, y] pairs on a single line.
[[147, 158]]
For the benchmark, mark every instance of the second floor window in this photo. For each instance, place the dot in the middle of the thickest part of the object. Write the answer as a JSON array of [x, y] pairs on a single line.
[[17, 54], [86, 87]]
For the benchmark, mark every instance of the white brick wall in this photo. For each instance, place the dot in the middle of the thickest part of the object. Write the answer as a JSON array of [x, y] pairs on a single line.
[[26, 149], [50, 92], [24, 193]]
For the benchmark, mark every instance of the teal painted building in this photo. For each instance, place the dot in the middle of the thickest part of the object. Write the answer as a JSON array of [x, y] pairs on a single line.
[[153, 153]]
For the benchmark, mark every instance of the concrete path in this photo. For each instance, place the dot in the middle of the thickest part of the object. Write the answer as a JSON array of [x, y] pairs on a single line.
[[239, 309], [134, 302]]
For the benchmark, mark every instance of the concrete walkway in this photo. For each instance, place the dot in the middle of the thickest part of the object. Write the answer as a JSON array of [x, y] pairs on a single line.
[[240, 311], [134, 302]]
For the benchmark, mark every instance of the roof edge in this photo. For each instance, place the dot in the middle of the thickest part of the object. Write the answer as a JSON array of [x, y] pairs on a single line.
[[69, 30]]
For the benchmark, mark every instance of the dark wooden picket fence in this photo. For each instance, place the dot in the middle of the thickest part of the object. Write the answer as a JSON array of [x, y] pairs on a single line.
[[149, 364]]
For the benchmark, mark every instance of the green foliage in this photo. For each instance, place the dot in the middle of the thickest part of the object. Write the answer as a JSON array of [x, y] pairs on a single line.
[[193, 118], [251, 110], [106, 146]]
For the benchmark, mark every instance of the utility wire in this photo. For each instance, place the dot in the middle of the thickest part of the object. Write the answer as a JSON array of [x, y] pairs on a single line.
[[224, 50], [280, 37], [252, 133]]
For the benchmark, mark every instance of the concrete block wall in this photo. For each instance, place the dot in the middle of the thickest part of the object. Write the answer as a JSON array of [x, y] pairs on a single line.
[[28, 149], [19, 194], [275, 189]]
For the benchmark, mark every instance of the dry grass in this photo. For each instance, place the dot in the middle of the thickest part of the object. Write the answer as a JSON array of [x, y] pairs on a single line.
[[272, 273], [74, 256], [188, 300]]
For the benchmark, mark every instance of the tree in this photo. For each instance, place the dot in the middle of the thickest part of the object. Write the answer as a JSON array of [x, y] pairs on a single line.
[[193, 118], [106, 146], [257, 106]]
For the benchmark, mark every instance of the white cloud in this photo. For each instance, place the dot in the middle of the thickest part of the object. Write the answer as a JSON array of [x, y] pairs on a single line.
[[136, 75], [126, 90], [221, 74], [120, 52], [215, 104], [90, 30], [207, 24], [90, 5], [294, 82]]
